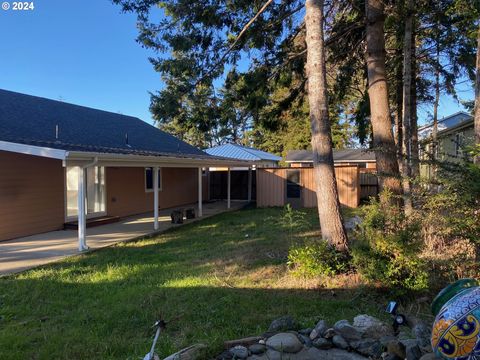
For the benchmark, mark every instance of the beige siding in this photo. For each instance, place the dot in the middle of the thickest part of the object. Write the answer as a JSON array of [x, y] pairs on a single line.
[[271, 186], [31, 195], [126, 193]]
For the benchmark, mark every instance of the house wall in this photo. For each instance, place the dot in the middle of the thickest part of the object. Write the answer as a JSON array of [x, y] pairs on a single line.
[[31, 195], [126, 193], [447, 143], [271, 186]]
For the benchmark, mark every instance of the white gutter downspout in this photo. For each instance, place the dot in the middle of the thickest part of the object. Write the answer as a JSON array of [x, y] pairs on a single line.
[[82, 240]]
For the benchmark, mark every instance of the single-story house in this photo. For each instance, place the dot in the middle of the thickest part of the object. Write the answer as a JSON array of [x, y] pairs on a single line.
[[241, 180], [61, 162], [361, 157]]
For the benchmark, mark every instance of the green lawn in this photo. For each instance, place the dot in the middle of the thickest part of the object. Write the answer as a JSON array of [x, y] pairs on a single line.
[[224, 276]]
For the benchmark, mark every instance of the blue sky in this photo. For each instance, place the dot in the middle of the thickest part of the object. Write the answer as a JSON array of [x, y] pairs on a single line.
[[84, 52]]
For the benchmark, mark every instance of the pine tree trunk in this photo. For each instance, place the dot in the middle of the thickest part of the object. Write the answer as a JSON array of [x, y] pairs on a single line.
[[477, 98], [407, 110], [433, 152], [398, 107], [414, 151], [324, 172], [383, 141]]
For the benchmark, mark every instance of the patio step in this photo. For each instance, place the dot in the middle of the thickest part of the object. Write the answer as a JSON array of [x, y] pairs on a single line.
[[104, 220]]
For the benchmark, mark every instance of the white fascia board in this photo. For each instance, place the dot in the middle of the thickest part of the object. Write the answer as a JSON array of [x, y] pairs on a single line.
[[127, 160], [33, 150]]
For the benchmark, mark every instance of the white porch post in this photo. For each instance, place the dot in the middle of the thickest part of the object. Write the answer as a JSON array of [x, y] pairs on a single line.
[[82, 241], [155, 198], [200, 190], [249, 184], [229, 184]]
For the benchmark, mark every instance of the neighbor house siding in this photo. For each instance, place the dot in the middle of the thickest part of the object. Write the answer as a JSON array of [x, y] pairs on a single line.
[[126, 193], [31, 195], [271, 185]]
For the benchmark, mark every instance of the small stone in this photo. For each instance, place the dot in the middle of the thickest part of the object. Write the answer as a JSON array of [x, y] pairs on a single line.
[[319, 329], [389, 356], [430, 356], [423, 333], [285, 342], [239, 352], [334, 354], [257, 349], [274, 355], [340, 342], [305, 340], [305, 332], [397, 348], [261, 341], [322, 343], [226, 355], [330, 333], [347, 331], [384, 340], [368, 347], [283, 323], [413, 352]]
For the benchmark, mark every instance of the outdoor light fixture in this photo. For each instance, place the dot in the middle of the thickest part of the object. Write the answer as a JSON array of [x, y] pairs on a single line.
[[398, 319]]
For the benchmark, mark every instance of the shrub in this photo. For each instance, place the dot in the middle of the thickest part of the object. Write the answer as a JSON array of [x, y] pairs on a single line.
[[387, 247], [316, 258]]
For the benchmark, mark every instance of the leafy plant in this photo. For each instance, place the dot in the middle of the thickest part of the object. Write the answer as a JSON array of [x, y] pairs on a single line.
[[388, 245], [316, 258]]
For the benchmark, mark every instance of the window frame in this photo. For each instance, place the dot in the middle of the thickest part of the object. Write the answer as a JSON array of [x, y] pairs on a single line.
[[160, 180]]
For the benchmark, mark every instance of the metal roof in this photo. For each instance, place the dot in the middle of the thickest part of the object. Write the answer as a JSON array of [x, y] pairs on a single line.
[[343, 155], [37, 121], [239, 152], [446, 123]]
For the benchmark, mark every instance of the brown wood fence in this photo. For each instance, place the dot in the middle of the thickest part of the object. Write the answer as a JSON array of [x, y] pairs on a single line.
[[272, 186]]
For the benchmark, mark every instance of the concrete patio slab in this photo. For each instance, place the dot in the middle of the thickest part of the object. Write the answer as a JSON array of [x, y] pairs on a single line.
[[28, 252]]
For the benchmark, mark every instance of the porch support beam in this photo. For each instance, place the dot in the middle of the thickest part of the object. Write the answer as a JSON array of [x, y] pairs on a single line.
[[249, 184], [82, 240], [200, 190], [229, 185], [155, 198]]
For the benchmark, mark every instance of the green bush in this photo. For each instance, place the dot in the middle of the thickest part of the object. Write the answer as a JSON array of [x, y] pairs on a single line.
[[316, 258], [387, 247]]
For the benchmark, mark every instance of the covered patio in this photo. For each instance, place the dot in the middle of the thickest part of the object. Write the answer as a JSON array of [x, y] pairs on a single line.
[[27, 252]]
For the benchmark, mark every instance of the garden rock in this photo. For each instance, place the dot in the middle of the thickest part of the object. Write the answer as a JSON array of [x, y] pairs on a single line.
[[347, 331], [319, 329], [285, 342], [368, 347], [330, 333], [305, 332], [322, 343], [257, 349], [353, 222], [283, 323], [397, 348], [371, 327], [239, 352], [430, 356], [305, 340], [334, 354], [422, 333], [413, 352], [340, 342]]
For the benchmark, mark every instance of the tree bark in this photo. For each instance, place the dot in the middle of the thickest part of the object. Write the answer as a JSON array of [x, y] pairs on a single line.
[[414, 151], [383, 141], [433, 152], [326, 186], [407, 110], [477, 99]]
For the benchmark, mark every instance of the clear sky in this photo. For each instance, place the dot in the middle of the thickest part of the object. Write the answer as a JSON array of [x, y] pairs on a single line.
[[84, 52]]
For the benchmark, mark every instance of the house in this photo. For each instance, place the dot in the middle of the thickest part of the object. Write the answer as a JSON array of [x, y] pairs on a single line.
[[61, 162], [455, 133], [361, 157], [241, 180]]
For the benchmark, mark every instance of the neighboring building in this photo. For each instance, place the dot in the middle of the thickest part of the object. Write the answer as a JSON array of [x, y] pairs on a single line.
[[362, 158], [455, 133], [61, 162], [242, 181], [233, 151]]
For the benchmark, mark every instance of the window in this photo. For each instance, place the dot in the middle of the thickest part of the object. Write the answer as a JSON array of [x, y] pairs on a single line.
[[149, 179], [459, 143], [293, 184]]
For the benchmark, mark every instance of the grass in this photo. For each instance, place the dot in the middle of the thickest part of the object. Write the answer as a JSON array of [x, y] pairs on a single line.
[[224, 278]]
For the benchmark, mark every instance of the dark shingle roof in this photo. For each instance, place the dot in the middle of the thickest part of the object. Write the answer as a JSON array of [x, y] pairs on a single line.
[[338, 155], [239, 152], [33, 120]]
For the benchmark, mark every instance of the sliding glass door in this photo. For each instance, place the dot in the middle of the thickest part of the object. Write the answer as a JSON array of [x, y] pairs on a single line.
[[95, 191]]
